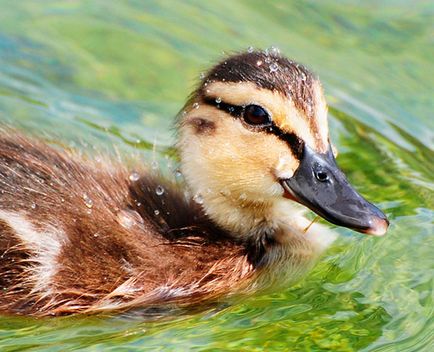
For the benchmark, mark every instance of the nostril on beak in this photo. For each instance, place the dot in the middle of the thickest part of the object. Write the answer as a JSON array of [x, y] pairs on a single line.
[[322, 176], [378, 226]]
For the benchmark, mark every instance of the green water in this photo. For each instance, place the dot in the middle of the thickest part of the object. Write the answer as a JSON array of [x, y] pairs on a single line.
[[100, 73]]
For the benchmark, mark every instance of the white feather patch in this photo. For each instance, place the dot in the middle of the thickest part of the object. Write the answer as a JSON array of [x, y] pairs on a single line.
[[46, 245]]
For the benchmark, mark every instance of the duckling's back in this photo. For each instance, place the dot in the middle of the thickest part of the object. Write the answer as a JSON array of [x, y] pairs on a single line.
[[80, 235]]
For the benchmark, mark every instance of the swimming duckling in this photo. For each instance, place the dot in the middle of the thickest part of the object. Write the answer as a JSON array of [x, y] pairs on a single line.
[[78, 235]]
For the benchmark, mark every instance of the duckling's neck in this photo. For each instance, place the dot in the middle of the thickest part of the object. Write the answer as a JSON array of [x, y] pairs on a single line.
[[241, 218], [275, 228], [245, 218]]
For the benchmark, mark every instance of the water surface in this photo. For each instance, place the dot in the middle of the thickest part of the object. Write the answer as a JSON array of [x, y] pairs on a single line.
[[99, 73]]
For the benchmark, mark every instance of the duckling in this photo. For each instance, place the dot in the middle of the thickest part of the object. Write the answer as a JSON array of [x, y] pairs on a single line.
[[86, 236]]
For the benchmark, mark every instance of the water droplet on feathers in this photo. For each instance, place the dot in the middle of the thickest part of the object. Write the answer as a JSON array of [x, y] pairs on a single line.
[[274, 50], [87, 201], [134, 177], [125, 220], [198, 198], [274, 67], [159, 190]]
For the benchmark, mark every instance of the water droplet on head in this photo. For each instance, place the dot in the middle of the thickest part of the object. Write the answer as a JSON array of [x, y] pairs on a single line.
[[273, 67], [250, 49], [195, 106], [134, 177], [267, 60], [218, 100], [202, 75], [156, 212], [259, 63], [243, 197], [87, 201], [178, 174], [274, 50], [159, 190], [33, 206]]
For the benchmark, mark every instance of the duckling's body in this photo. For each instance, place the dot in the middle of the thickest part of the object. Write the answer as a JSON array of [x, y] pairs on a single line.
[[78, 235]]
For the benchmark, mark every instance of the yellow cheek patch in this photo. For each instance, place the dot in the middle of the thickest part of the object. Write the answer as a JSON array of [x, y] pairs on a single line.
[[285, 167]]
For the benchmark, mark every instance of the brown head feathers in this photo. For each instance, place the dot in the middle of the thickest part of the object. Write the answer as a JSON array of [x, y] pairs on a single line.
[[267, 70]]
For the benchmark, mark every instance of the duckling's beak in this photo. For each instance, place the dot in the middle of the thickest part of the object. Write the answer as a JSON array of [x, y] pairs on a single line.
[[319, 184]]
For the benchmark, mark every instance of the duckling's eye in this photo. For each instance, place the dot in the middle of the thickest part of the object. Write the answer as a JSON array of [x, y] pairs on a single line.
[[255, 115]]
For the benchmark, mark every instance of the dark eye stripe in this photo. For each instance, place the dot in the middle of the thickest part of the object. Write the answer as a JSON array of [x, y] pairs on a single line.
[[295, 143], [234, 110]]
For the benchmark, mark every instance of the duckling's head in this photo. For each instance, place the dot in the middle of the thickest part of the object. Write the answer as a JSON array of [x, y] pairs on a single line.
[[255, 133]]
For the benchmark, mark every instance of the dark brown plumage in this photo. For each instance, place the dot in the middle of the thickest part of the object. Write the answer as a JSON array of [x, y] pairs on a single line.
[[267, 70], [110, 232]]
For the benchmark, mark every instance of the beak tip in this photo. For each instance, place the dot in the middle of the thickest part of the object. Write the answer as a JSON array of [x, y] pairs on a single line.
[[378, 227]]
